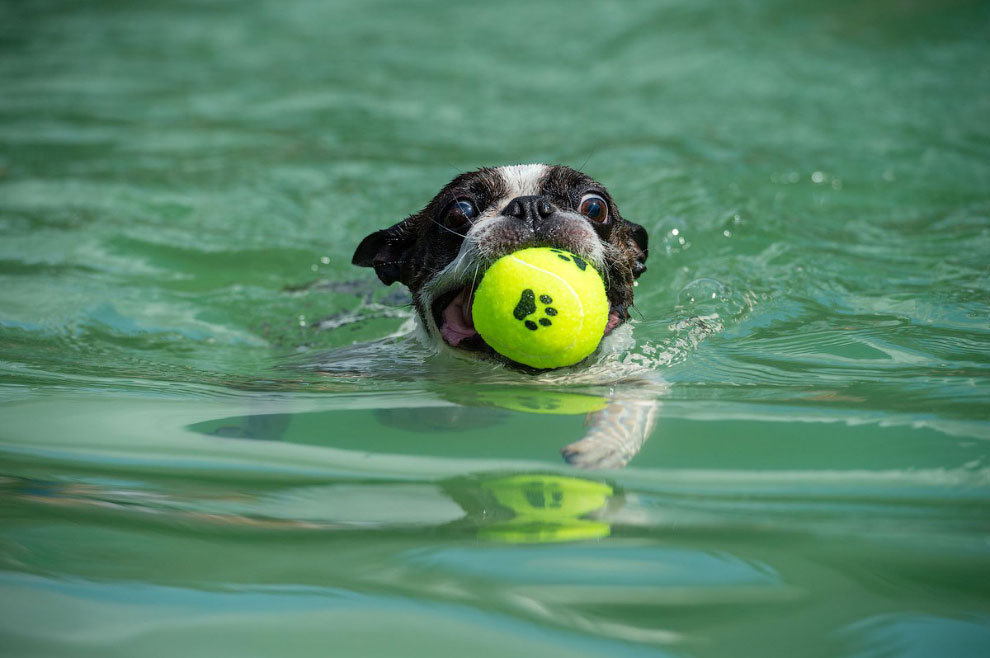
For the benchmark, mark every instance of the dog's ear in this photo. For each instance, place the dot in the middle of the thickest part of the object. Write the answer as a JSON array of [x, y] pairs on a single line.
[[386, 250], [638, 243]]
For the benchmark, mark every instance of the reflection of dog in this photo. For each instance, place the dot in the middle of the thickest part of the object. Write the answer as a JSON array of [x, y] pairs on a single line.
[[480, 216], [440, 252]]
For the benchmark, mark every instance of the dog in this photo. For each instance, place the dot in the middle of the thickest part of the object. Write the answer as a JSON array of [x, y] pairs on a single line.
[[440, 252]]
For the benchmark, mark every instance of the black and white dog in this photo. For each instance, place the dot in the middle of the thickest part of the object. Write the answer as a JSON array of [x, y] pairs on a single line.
[[485, 214], [440, 253]]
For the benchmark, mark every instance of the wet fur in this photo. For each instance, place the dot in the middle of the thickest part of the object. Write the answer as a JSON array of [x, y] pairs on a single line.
[[431, 258], [435, 260]]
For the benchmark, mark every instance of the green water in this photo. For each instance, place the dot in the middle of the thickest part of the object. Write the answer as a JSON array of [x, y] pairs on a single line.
[[216, 437]]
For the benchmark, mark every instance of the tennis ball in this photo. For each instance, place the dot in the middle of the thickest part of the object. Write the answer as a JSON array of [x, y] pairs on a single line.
[[542, 307]]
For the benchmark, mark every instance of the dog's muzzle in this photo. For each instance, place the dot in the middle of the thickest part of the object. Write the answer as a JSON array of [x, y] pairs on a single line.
[[526, 221]]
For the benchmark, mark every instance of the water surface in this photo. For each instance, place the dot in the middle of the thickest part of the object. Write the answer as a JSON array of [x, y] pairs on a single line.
[[219, 438]]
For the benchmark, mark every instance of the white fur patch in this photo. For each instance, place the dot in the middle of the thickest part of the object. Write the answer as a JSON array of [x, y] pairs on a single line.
[[522, 180]]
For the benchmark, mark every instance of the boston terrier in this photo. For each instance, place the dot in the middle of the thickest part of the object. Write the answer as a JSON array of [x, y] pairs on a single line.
[[440, 253]]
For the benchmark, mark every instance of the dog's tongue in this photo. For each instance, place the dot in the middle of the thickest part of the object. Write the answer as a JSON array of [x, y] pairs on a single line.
[[457, 321], [613, 321]]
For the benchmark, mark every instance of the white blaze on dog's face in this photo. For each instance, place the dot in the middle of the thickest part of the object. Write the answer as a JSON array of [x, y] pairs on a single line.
[[495, 228], [441, 252]]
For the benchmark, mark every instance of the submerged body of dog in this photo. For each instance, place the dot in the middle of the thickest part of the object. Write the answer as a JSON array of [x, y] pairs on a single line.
[[441, 252]]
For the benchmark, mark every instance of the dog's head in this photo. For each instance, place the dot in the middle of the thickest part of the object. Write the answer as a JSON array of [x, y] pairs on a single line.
[[441, 252]]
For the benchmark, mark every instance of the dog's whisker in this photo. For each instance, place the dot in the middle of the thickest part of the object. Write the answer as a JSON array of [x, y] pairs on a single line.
[[474, 279], [447, 228]]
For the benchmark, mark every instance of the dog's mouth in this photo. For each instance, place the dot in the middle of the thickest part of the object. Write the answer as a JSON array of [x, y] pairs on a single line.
[[452, 314]]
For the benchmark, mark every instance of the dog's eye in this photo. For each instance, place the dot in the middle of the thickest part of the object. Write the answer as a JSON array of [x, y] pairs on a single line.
[[461, 211], [593, 207]]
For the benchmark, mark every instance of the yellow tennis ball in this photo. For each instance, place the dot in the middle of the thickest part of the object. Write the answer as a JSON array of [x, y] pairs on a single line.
[[542, 307]]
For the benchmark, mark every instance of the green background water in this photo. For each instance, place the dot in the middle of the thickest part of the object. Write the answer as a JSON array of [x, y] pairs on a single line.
[[207, 448]]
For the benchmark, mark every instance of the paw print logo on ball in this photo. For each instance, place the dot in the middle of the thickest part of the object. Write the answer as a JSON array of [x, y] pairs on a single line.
[[577, 260], [527, 306]]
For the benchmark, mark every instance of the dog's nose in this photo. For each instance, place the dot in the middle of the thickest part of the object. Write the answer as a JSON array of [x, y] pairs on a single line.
[[529, 208]]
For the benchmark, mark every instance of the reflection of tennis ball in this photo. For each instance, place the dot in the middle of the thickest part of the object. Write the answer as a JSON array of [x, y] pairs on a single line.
[[537, 401], [549, 497], [547, 508], [528, 532], [541, 307]]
